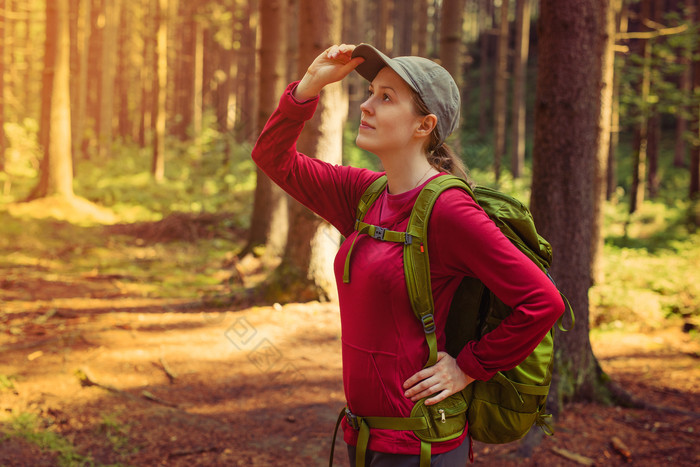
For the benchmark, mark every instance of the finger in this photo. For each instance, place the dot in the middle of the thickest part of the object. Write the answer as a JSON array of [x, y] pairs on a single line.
[[441, 396], [418, 377], [351, 65], [346, 48], [423, 389]]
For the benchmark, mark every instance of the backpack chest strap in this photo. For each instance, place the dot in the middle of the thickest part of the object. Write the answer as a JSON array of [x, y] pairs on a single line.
[[376, 232]]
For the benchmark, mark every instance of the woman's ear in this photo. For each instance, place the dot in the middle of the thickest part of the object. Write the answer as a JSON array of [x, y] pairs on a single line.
[[427, 125]]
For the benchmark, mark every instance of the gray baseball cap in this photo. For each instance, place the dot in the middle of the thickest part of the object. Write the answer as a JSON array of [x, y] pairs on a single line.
[[432, 82]]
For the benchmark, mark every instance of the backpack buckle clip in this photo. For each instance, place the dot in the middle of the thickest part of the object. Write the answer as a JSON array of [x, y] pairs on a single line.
[[428, 323], [352, 419], [379, 232]]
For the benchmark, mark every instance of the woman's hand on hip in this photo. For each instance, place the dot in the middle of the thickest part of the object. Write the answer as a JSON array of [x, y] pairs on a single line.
[[440, 381], [332, 65]]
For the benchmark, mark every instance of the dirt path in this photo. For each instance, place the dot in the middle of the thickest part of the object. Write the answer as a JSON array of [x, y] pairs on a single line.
[[261, 387]]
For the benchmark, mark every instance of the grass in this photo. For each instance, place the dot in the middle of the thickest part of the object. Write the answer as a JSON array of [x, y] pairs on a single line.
[[29, 427]]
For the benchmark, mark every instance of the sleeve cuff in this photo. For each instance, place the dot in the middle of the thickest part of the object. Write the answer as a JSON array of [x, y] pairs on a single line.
[[468, 364], [295, 109]]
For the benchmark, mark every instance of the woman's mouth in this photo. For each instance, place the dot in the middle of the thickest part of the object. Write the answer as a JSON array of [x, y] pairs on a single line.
[[365, 126]]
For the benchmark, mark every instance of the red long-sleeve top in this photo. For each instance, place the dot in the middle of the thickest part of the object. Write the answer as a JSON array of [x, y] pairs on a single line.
[[383, 343]]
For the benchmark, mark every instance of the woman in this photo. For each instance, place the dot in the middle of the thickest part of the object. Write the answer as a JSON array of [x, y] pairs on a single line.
[[412, 107]]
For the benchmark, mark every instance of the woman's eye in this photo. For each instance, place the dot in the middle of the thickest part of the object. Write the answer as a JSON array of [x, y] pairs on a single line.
[[370, 93], [386, 97]]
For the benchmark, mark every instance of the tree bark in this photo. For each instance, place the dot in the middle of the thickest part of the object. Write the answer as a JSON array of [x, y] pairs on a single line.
[[147, 72], [522, 47], [109, 53], [451, 52], [268, 226], [248, 86], [639, 165], [566, 146], [124, 72], [60, 182], [694, 189], [306, 270], [385, 29], [3, 41], [500, 92], [83, 48], [420, 44], [160, 82], [486, 65], [47, 83], [605, 124], [403, 29]]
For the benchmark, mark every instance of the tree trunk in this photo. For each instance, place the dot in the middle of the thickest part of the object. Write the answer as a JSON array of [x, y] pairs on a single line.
[[160, 83], [694, 191], [606, 105], [566, 146], [248, 86], [639, 164], [403, 30], [385, 29], [486, 65], [501, 92], [653, 142], [3, 41], [197, 90], [124, 72], [147, 72], [522, 46], [420, 44], [306, 271], [83, 47], [60, 182], [47, 83], [451, 38], [451, 49], [185, 69], [109, 53], [268, 226], [611, 176]]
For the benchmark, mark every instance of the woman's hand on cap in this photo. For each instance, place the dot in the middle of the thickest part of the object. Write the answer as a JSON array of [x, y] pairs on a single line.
[[332, 65]]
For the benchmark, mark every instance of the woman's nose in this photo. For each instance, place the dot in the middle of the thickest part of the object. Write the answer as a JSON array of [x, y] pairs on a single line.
[[365, 106]]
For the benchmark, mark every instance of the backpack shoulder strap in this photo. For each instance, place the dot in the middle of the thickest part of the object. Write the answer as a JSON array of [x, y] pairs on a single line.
[[416, 260], [370, 195]]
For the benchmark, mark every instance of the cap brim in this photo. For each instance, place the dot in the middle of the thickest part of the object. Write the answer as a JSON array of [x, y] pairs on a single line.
[[375, 61]]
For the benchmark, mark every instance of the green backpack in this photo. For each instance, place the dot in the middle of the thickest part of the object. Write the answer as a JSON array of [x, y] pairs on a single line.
[[504, 408]]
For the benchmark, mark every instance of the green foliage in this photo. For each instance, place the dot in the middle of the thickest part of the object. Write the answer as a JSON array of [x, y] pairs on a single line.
[[30, 428], [670, 56], [117, 434], [354, 156], [651, 262], [22, 159], [199, 177]]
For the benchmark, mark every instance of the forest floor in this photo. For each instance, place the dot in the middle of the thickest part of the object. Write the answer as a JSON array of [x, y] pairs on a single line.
[[95, 373]]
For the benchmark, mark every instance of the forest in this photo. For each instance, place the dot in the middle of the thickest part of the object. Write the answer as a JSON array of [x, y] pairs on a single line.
[[163, 302]]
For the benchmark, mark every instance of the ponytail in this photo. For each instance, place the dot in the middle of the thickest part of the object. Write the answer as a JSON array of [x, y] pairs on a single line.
[[444, 160], [440, 156]]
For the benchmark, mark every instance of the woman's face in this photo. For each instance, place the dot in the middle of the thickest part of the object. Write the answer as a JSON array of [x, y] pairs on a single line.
[[389, 120]]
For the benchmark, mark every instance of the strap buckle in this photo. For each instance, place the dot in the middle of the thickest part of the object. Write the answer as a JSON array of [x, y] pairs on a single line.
[[379, 232], [352, 419], [428, 323]]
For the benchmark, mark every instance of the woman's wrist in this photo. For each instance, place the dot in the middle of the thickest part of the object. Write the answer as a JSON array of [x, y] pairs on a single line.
[[305, 91]]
